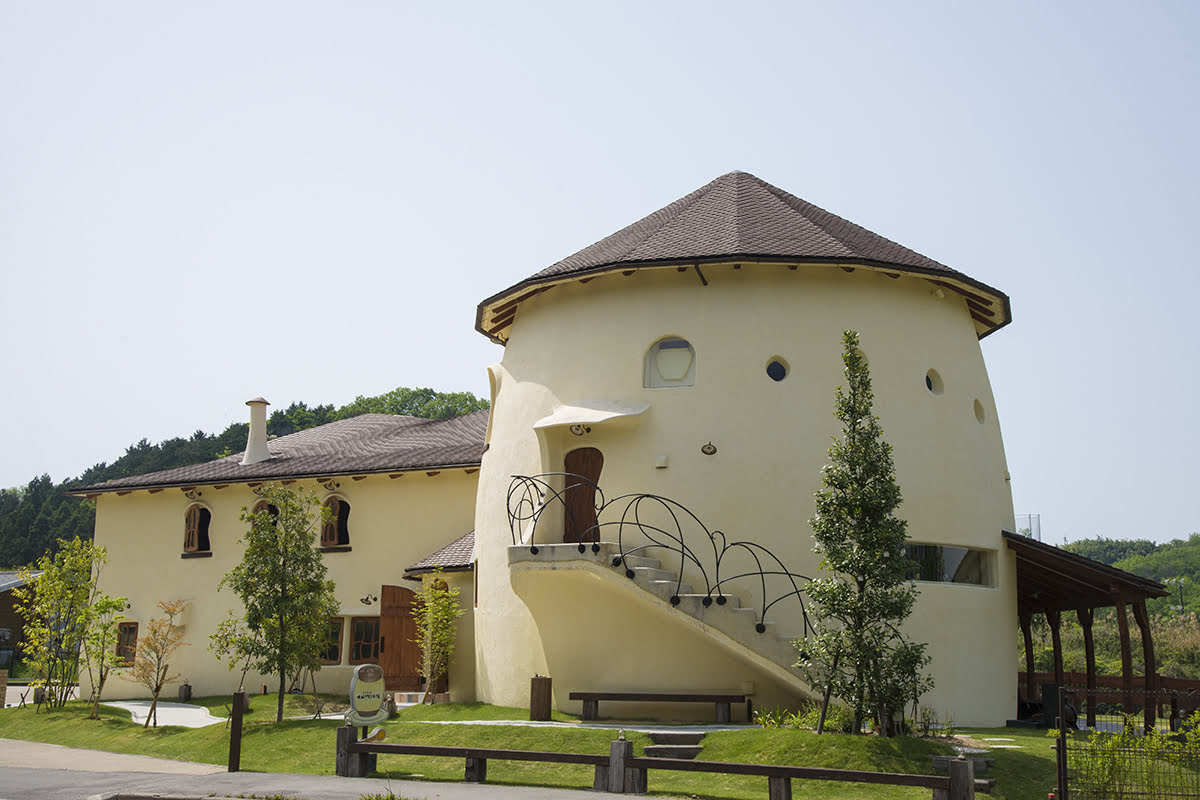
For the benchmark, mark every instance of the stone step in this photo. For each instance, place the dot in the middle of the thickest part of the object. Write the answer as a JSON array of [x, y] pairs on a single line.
[[697, 601], [668, 589], [647, 574], [677, 737], [682, 751], [640, 561]]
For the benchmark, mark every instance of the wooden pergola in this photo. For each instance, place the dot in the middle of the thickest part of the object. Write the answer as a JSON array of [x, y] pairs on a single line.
[[1052, 581]]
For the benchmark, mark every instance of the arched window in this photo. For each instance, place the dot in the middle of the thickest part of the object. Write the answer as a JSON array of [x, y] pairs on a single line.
[[336, 531], [195, 529], [263, 505], [671, 361]]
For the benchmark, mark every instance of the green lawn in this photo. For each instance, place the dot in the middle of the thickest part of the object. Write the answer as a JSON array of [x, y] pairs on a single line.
[[308, 746]]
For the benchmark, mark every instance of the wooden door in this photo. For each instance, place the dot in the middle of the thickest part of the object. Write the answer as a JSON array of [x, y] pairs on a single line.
[[399, 653], [579, 523]]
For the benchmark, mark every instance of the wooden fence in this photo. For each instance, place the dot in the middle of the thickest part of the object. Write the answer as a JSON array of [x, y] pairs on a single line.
[[621, 772]]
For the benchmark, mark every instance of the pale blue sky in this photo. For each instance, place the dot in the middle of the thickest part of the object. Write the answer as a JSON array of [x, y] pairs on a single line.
[[200, 203]]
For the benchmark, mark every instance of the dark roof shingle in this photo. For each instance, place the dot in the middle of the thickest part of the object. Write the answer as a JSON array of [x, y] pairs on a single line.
[[738, 216], [363, 444], [457, 555]]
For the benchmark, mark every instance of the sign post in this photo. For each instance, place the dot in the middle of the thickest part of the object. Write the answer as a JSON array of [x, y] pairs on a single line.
[[366, 708]]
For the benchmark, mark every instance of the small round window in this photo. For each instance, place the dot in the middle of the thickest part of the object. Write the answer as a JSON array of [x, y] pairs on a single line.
[[980, 414], [933, 382], [777, 369]]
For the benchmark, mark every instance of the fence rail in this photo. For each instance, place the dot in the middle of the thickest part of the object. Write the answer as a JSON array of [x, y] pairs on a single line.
[[621, 772]]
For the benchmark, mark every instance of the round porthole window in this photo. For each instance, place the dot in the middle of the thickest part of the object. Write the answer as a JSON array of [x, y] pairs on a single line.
[[777, 369], [933, 382], [980, 415]]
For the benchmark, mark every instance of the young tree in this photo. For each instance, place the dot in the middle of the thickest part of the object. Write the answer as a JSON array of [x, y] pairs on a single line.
[[282, 585], [858, 652], [100, 643], [152, 661], [436, 616], [62, 608]]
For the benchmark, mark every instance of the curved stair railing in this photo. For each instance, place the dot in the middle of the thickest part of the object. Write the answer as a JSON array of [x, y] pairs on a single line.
[[641, 527]]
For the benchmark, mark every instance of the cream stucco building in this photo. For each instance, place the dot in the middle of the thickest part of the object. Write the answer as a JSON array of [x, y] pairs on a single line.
[[641, 489]]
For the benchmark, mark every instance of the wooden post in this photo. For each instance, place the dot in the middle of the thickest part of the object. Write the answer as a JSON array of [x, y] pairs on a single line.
[[1086, 616], [1055, 620], [962, 779], [345, 735], [1026, 620], [476, 771], [1143, 623], [779, 788], [623, 779], [724, 713], [591, 709], [3, 686], [539, 697], [1126, 656], [235, 732]]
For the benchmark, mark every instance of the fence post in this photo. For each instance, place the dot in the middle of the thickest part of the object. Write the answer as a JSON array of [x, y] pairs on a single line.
[[1061, 755], [623, 779], [3, 686], [618, 751], [235, 732], [476, 770], [962, 779], [779, 788], [345, 735]]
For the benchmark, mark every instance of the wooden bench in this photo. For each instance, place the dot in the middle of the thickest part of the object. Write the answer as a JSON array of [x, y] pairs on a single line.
[[723, 702]]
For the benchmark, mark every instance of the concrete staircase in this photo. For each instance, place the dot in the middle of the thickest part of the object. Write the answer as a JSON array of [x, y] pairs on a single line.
[[674, 745], [731, 618]]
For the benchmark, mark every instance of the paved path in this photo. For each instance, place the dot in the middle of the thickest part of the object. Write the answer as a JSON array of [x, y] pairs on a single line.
[[36, 755], [193, 716], [186, 715], [34, 771]]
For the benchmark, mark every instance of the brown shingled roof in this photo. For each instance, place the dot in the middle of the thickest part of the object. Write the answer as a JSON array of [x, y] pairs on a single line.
[[455, 557], [741, 217], [363, 444]]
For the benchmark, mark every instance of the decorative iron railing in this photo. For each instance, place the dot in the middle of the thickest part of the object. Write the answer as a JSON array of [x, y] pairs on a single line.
[[642, 523]]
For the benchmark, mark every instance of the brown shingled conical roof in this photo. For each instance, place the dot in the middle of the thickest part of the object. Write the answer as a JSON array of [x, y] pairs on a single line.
[[741, 217]]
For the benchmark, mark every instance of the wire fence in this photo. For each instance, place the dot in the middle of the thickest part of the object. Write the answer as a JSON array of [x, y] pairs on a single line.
[[1132, 765]]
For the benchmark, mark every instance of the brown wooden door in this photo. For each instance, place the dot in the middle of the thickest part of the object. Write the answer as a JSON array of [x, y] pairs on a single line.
[[579, 524], [399, 653]]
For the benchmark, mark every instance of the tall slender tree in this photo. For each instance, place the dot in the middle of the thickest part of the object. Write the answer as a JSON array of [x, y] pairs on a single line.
[[282, 585], [858, 652]]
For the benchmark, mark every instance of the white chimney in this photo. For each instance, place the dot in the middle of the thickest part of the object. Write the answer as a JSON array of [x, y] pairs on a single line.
[[256, 442]]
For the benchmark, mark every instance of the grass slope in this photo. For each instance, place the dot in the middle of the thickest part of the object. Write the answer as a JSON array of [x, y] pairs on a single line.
[[307, 746]]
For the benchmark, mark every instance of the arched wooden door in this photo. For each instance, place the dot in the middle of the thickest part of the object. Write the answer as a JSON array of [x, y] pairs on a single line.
[[579, 523], [399, 654]]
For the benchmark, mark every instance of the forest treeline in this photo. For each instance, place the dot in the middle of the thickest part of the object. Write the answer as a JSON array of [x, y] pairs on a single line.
[[33, 517]]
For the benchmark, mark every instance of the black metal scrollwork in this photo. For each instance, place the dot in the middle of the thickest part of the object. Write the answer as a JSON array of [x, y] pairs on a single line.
[[652, 524]]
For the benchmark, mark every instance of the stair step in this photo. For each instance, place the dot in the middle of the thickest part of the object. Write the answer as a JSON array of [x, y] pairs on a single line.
[[673, 737], [731, 600], [682, 751], [641, 561], [651, 574], [670, 588]]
